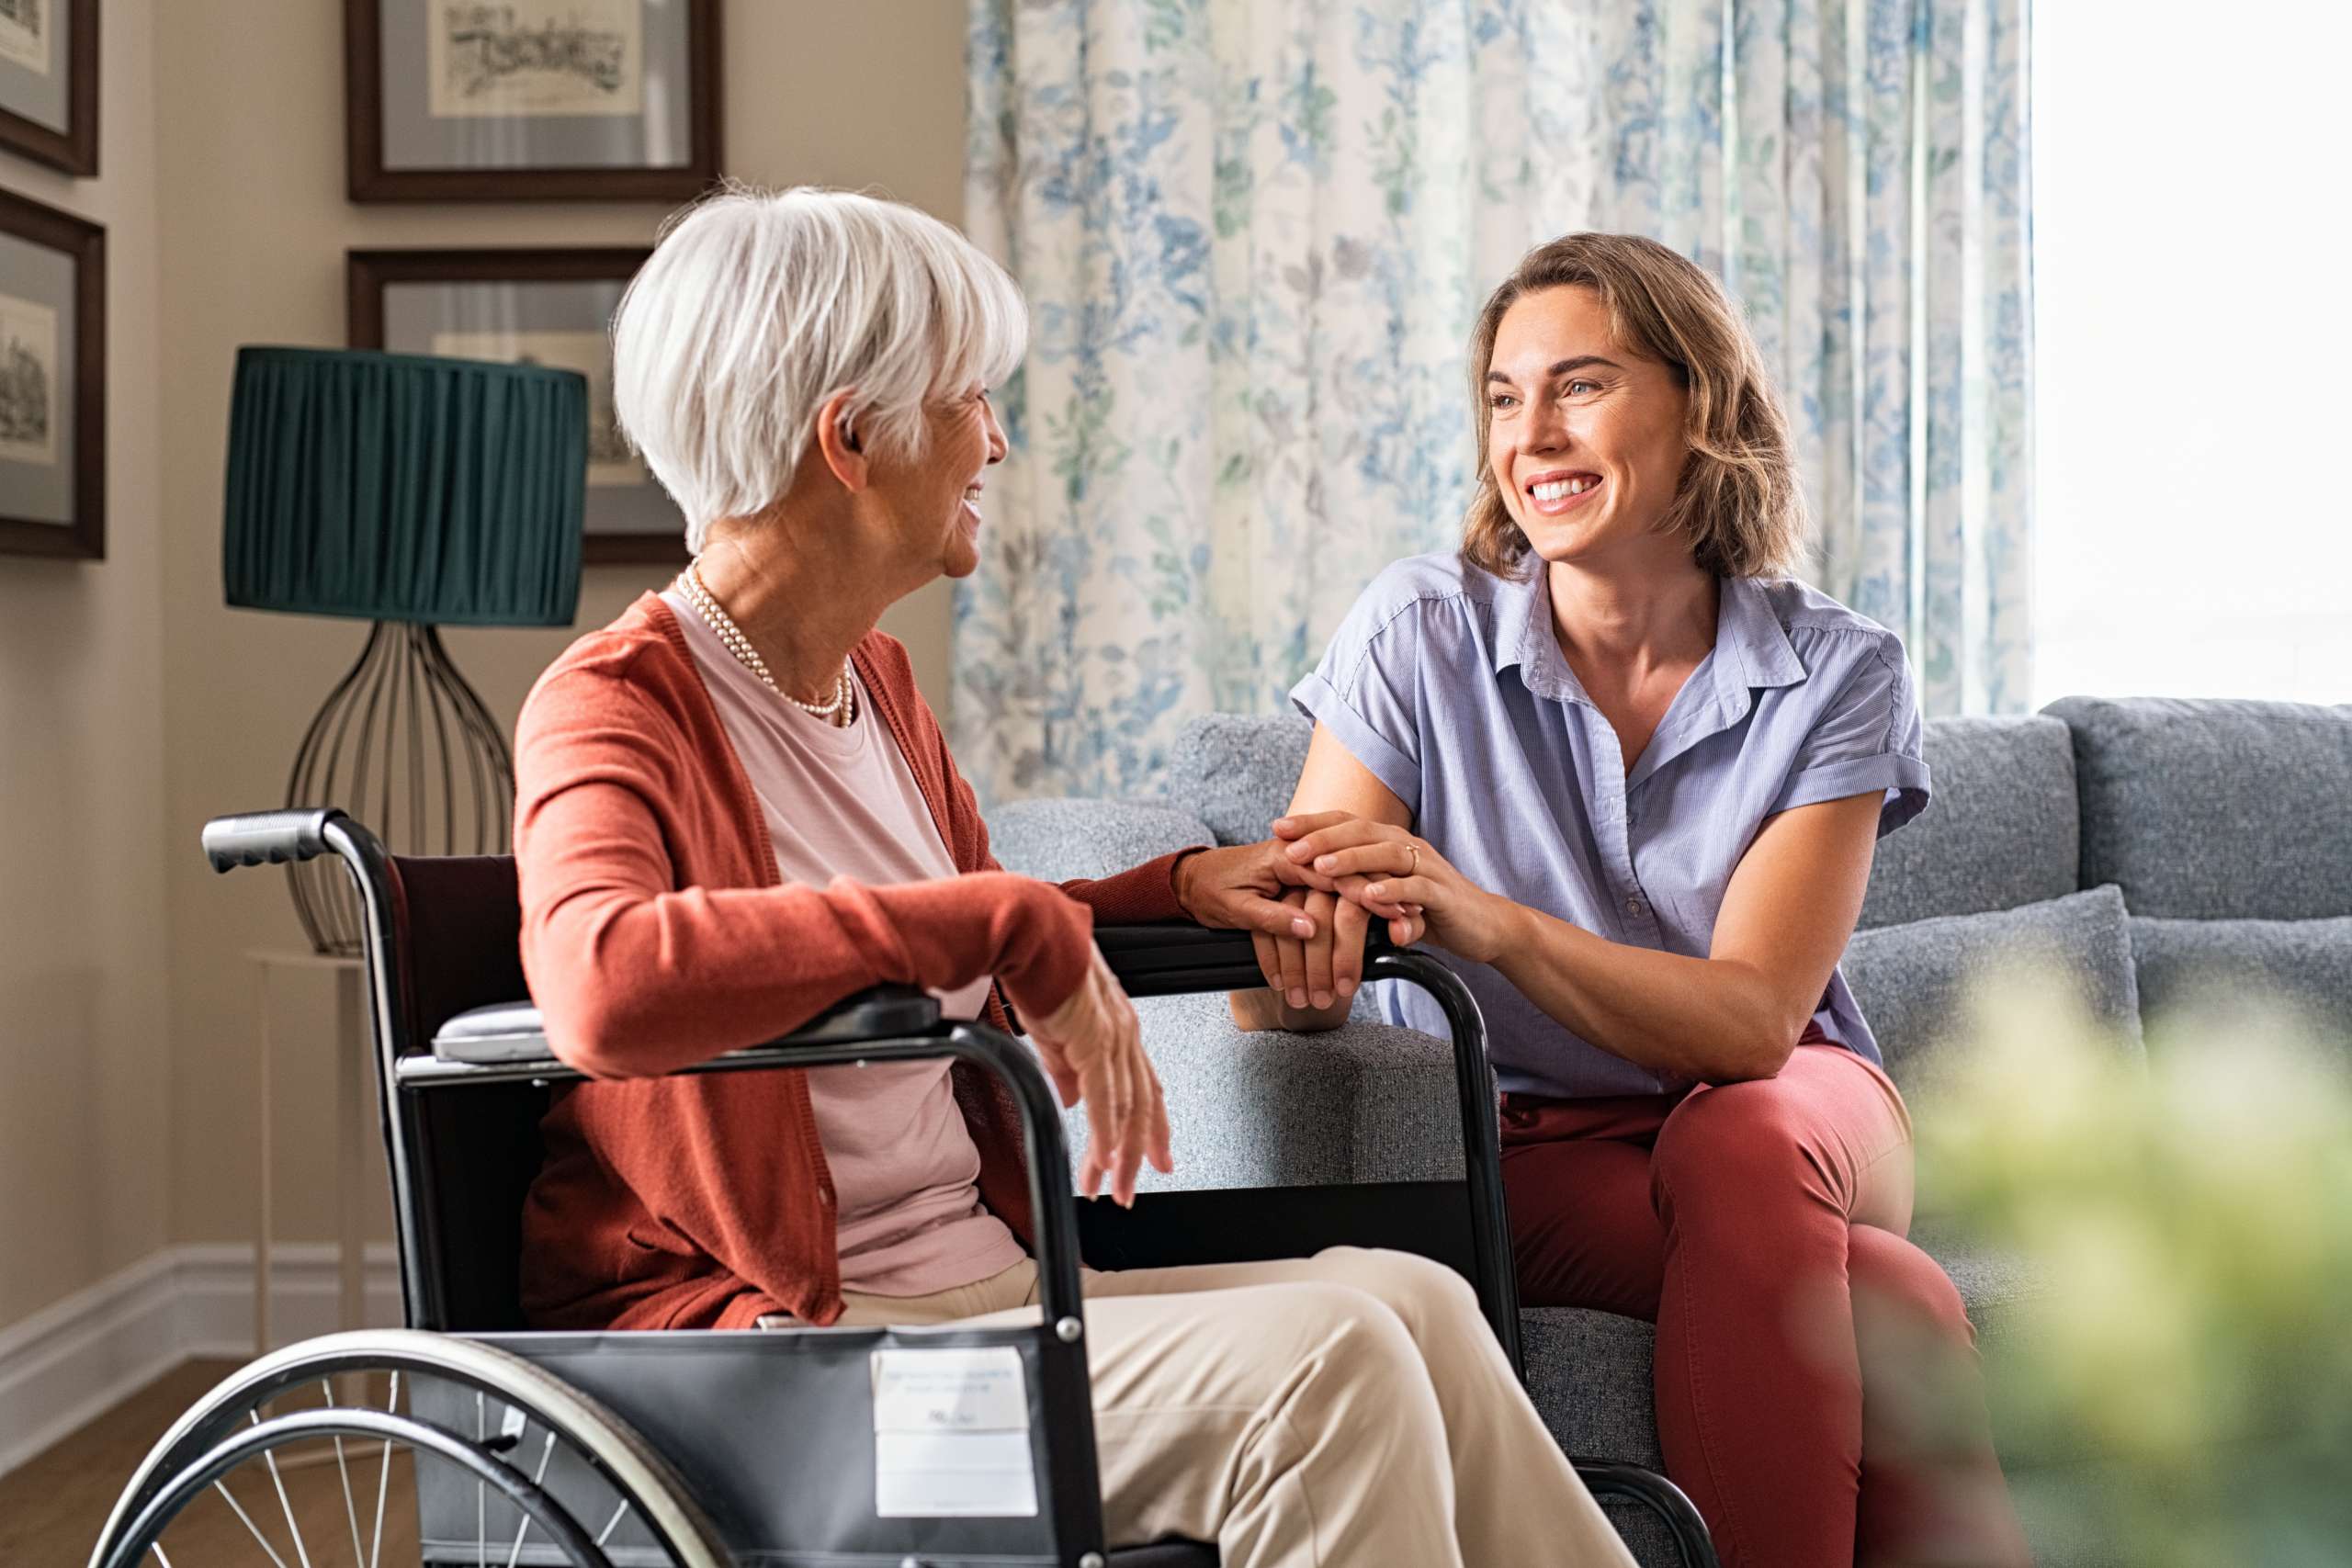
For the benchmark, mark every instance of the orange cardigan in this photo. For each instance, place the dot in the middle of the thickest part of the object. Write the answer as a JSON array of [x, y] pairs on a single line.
[[655, 934]]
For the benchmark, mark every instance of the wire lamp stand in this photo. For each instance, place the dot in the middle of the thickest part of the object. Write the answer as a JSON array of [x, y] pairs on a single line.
[[403, 741]]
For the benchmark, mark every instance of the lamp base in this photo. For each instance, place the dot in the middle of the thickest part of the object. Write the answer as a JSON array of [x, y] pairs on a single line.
[[403, 744]]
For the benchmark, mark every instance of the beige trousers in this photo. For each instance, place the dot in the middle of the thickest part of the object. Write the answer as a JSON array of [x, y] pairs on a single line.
[[1350, 1410]]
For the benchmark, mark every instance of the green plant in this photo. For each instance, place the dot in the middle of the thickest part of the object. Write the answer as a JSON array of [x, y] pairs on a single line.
[[2192, 1219]]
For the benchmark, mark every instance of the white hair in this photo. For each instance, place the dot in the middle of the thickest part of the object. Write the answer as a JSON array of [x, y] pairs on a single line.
[[758, 306]]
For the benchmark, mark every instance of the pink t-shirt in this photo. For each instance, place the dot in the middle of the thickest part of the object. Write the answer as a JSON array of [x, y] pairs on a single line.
[[844, 803]]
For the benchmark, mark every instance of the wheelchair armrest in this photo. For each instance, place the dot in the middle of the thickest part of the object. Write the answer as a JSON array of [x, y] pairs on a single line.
[[1173, 957], [506, 1043], [508, 1033]]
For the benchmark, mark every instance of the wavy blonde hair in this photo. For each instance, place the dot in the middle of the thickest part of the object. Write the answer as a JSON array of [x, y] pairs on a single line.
[[1739, 504]]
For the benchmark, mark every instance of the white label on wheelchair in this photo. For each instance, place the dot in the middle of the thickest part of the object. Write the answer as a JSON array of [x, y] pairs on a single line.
[[951, 1433]]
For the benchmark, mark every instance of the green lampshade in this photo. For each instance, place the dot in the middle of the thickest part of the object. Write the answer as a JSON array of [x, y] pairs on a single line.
[[401, 487]]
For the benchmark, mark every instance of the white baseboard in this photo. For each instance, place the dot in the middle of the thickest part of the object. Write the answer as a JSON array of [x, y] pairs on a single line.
[[74, 1358]]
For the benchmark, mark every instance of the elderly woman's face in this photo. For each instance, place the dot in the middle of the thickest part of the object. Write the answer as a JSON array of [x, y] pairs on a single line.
[[1585, 437], [936, 496]]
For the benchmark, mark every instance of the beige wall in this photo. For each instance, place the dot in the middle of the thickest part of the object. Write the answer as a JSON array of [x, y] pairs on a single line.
[[85, 1069], [127, 1011]]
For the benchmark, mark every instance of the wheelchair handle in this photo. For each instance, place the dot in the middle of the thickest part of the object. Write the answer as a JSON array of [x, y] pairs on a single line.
[[250, 837]]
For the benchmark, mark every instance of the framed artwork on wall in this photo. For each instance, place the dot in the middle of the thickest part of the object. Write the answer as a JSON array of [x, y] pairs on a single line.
[[542, 306], [52, 381], [48, 82], [521, 101]]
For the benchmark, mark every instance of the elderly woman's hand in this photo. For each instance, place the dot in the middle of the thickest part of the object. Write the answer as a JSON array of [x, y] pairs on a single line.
[[1093, 1049], [1242, 889], [1383, 867]]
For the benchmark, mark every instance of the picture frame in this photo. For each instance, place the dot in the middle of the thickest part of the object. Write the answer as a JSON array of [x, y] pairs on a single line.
[[49, 83], [531, 100], [553, 307], [52, 382]]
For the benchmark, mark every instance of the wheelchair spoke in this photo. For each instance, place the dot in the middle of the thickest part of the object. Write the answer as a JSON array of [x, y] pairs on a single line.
[[279, 1482], [538, 1476], [158, 1549], [246, 1519], [384, 1476], [350, 1508]]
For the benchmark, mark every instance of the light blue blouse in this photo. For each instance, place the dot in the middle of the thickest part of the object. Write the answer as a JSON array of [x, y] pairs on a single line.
[[1447, 682]]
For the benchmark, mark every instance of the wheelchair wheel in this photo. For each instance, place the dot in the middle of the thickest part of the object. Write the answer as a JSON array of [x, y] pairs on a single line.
[[398, 1448]]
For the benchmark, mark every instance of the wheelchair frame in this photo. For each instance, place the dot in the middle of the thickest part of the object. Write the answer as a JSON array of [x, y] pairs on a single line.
[[898, 1023]]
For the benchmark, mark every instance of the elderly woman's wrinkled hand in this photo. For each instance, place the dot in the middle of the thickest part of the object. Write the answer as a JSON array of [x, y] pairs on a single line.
[[1241, 889], [1093, 1049]]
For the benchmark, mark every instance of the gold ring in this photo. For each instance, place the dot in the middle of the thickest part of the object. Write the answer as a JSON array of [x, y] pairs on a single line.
[[1415, 850]]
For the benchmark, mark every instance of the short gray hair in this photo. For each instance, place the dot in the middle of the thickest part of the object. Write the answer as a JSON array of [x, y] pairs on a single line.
[[757, 306]]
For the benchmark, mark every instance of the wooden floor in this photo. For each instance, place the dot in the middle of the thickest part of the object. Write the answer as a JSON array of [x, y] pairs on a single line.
[[52, 1506]]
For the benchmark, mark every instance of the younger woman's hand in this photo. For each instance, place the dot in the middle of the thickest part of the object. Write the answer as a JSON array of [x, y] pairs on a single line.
[[1093, 1049], [1390, 870]]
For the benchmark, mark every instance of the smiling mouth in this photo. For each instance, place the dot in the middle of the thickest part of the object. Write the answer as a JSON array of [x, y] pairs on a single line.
[[1556, 492]]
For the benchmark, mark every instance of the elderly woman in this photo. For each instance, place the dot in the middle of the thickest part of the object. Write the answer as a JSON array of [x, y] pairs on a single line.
[[1631, 776], [735, 809]]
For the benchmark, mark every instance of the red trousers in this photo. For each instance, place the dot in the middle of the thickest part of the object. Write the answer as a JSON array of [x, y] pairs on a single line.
[[1760, 1225]]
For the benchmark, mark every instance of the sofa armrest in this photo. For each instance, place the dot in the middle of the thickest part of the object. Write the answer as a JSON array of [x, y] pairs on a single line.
[[1060, 839], [1365, 1102]]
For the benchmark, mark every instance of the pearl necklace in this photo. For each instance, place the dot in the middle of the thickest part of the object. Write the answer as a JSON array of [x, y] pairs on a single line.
[[841, 712]]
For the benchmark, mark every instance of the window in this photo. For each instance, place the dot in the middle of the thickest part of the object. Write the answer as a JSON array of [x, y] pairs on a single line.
[[2193, 323]]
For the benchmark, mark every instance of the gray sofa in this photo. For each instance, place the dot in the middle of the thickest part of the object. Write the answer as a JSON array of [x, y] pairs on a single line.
[[2150, 847]]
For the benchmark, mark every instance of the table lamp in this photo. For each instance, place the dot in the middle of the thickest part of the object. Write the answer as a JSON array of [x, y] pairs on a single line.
[[413, 492]]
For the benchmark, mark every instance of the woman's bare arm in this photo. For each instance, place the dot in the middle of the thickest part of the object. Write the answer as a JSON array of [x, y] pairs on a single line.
[[1736, 1013], [1786, 916]]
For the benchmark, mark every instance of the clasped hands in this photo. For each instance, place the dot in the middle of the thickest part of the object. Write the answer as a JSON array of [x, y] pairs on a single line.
[[1338, 874]]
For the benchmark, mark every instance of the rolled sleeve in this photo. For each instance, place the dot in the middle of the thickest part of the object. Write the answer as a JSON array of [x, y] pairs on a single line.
[[1867, 739], [1320, 700], [1365, 692]]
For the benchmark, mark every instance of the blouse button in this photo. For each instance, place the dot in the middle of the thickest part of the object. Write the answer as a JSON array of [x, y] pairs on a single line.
[[1633, 907]]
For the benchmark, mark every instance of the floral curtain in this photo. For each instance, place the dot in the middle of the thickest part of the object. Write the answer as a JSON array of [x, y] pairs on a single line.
[[1254, 234]]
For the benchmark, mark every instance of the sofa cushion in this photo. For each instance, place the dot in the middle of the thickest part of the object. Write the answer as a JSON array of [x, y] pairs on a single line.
[[2216, 809], [1913, 980], [2303, 965], [1059, 840], [1999, 831], [1237, 772]]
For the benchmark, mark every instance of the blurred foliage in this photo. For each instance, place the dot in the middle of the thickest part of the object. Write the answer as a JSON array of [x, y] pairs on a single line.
[[2191, 1218]]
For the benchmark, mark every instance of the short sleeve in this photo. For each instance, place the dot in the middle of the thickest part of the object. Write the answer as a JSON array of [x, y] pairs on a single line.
[[1868, 737], [1366, 692]]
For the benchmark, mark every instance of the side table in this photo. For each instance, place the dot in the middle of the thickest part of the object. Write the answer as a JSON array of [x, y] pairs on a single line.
[[352, 1062]]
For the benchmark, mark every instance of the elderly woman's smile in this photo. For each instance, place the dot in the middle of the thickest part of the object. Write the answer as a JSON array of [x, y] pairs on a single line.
[[965, 441]]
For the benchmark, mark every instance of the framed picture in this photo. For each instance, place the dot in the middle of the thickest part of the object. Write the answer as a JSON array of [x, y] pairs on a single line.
[[544, 306], [521, 101], [48, 82], [52, 381]]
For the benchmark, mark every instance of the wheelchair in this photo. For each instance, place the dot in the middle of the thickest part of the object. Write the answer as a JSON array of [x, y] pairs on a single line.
[[762, 1448]]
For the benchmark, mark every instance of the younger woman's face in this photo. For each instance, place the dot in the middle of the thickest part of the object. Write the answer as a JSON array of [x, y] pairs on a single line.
[[1585, 437]]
